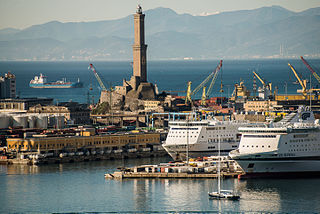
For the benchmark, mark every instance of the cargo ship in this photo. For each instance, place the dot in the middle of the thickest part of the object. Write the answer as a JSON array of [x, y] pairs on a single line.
[[41, 82]]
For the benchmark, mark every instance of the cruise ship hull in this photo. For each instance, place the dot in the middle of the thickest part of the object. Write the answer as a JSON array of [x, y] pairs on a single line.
[[196, 151], [280, 168]]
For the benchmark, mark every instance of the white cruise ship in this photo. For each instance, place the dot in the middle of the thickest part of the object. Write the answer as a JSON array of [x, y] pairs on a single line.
[[202, 138], [291, 146]]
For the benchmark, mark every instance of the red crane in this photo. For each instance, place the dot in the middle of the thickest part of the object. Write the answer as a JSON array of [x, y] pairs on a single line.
[[92, 68], [309, 67]]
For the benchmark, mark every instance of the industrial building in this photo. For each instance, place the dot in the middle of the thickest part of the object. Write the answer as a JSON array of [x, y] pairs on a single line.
[[56, 145], [73, 112], [21, 104], [8, 86]]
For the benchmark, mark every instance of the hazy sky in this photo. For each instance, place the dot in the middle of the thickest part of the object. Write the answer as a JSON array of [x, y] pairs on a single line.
[[24, 13]]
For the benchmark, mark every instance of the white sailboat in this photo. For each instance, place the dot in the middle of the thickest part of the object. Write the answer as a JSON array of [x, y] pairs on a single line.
[[222, 194]]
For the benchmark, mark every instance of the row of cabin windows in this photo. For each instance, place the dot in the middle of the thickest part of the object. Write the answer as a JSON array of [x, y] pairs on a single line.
[[262, 146], [222, 139], [216, 128], [181, 136], [222, 135], [263, 131], [303, 140], [183, 132], [259, 136], [304, 150], [306, 145]]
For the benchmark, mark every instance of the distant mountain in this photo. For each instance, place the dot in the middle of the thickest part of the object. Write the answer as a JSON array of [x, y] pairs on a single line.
[[257, 33], [7, 31]]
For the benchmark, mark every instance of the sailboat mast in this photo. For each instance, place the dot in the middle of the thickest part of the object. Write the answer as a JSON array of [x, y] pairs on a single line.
[[187, 152], [219, 164]]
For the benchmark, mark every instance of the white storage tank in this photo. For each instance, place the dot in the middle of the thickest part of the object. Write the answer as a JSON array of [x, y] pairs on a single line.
[[5, 121], [32, 121], [59, 122], [42, 122], [19, 120], [51, 121]]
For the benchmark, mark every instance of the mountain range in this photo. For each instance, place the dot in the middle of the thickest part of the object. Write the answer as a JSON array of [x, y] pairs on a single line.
[[259, 33]]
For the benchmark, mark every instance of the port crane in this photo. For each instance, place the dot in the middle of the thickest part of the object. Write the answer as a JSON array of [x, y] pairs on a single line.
[[93, 69], [303, 84], [266, 89], [213, 77], [310, 69], [265, 85]]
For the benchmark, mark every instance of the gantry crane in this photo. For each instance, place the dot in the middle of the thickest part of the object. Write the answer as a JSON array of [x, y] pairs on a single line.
[[205, 94], [92, 68], [309, 67]]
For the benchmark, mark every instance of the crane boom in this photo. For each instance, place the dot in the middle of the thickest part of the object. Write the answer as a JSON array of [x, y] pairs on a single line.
[[214, 78], [92, 68], [309, 67], [303, 84], [207, 79], [259, 78], [213, 75]]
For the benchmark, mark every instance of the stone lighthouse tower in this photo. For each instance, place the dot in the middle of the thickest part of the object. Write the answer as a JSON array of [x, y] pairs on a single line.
[[139, 47], [134, 92]]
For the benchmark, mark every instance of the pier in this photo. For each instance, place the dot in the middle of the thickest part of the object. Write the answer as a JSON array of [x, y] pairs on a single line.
[[193, 169], [38, 159]]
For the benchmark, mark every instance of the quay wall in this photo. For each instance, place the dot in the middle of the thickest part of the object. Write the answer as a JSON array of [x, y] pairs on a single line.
[[74, 143]]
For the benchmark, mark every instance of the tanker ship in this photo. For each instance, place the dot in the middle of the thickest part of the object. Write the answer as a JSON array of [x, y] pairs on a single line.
[[41, 82]]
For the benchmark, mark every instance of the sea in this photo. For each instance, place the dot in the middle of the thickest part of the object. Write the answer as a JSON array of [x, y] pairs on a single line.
[[82, 188], [167, 75]]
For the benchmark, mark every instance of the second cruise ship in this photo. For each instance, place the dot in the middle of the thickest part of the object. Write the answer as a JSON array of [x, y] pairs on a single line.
[[291, 146]]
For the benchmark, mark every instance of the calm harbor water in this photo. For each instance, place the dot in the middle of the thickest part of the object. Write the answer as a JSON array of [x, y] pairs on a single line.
[[81, 187]]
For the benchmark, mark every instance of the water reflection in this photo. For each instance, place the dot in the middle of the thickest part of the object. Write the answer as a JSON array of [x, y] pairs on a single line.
[[276, 195], [141, 194], [259, 196], [21, 169]]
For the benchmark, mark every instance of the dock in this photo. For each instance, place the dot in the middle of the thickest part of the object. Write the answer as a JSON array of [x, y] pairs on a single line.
[[38, 159], [122, 175], [193, 169]]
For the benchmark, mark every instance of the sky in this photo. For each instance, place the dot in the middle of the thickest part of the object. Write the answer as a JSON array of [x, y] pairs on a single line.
[[21, 14]]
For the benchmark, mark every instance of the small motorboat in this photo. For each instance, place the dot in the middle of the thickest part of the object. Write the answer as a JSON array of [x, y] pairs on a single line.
[[224, 194]]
